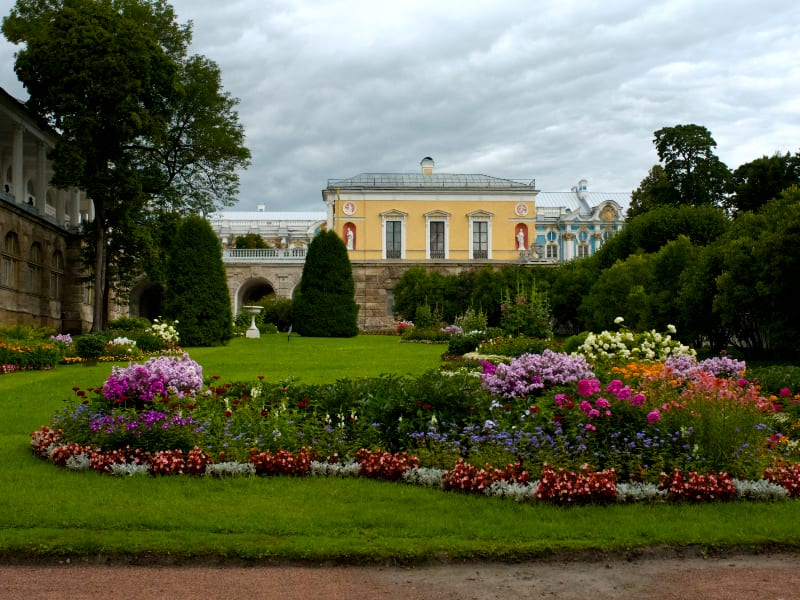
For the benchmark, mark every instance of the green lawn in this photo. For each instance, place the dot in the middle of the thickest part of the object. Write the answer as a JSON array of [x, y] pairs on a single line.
[[48, 511]]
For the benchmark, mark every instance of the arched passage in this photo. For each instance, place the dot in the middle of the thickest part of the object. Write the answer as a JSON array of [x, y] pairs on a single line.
[[252, 291], [145, 300]]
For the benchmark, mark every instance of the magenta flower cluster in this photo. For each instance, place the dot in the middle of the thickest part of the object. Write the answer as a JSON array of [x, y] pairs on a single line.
[[159, 376], [528, 373]]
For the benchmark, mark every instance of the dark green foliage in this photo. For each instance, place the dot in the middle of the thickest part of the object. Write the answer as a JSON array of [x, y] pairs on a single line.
[[692, 175], [197, 292], [462, 344], [90, 346], [425, 334], [758, 287], [250, 241], [325, 305], [763, 179], [426, 317], [129, 324], [653, 229]]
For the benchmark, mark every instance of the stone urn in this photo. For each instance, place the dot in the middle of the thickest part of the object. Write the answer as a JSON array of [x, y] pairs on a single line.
[[252, 331]]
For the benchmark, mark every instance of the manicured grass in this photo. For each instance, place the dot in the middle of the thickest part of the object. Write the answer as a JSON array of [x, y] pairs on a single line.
[[48, 511]]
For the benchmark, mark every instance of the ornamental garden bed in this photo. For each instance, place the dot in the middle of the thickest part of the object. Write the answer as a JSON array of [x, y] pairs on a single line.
[[623, 419]]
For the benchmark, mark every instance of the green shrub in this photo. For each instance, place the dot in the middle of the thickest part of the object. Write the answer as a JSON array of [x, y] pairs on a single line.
[[148, 341], [90, 346], [325, 305], [129, 324], [573, 342], [427, 318], [425, 334], [774, 378], [461, 344], [513, 345], [472, 320], [197, 293], [24, 333]]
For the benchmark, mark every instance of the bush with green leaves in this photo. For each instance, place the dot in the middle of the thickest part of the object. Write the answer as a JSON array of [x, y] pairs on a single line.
[[197, 292], [472, 320], [426, 317], [462, 344], [511, 346], [325, 304], [91, 346], [526, 313]]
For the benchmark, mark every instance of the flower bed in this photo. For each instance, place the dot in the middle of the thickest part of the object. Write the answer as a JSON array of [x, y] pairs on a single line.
[[564, 435]]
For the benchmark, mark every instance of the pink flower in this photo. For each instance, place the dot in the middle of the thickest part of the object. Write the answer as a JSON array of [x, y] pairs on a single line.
[[614, 386], [624, 393], [587, 387], [785, 392], [602, 403], [742, 382], [653, 416], [586, 406], [590, 427], [637, 400]]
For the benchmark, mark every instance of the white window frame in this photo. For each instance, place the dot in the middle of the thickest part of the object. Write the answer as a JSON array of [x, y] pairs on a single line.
[[484, 217], [394, 215], [437, 216]]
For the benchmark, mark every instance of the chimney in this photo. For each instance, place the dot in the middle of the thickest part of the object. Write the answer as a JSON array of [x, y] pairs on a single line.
[[261, 208], [427, 165], [583, 189]]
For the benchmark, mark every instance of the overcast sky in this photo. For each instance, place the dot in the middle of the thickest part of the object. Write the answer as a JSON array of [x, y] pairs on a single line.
[[553, 91]]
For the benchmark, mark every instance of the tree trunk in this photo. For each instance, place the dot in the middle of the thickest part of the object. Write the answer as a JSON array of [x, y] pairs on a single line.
[[98, 298]]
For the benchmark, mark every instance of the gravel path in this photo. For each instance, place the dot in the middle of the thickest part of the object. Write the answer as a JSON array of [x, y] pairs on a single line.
[[736, 577]]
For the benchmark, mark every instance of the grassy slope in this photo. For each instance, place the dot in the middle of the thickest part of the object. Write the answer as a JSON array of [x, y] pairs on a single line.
[[51, 511]]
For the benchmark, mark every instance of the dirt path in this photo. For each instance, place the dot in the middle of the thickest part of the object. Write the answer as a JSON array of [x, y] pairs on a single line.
[[736, 577]]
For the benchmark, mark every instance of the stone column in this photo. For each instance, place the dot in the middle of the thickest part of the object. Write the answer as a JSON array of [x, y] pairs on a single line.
[[17, 165], [41, 178], [74, 208]]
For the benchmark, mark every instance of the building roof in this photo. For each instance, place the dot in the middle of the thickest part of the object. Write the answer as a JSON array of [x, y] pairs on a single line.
[[570, 200], [429, 181], [260, 215]]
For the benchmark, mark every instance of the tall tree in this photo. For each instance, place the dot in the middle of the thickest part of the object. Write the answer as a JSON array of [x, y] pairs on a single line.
[[138, 121], [325, 305], [757, 182], [692, 174], [196, 294]]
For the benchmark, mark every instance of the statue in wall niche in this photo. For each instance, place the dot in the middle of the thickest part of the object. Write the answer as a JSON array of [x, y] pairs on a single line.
[[520, 240], [349, 235]]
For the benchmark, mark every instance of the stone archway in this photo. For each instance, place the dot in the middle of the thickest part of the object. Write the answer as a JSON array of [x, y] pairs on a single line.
[[145, 300], [252, 291]]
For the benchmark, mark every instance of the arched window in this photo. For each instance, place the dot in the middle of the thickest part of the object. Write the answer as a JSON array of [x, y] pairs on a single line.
[[10, 257], [35, 268], [56, 275]]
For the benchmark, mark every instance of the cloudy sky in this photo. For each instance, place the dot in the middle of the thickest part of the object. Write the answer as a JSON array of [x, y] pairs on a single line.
[[553, 91]]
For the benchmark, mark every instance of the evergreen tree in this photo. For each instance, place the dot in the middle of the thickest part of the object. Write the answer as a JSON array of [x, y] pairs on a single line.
[[197, 290], [325, 305]]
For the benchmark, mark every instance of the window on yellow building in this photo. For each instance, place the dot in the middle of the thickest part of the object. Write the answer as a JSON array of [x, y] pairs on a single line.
[[394, 239], [437, 244], [480, 239]]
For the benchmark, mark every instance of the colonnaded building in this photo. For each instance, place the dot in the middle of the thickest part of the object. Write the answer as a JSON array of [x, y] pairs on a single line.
[[389, 221]]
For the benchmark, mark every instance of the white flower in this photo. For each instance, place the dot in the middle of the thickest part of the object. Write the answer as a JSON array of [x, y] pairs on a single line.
[[618, 320], [671, 328]]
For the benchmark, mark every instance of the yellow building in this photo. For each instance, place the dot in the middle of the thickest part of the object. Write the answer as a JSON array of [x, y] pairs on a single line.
[[430, 216]]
